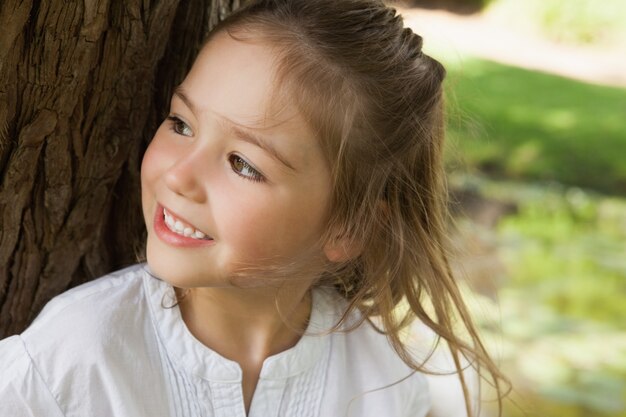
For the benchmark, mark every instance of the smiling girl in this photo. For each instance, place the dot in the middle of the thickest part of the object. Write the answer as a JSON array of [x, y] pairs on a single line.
[[294, 201]]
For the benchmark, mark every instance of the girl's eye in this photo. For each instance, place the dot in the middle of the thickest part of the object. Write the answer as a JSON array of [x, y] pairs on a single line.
[[242, 168], [179, 127]]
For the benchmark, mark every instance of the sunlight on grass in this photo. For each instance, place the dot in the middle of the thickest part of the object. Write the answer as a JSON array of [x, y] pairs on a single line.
[[570, 21], [515, 123]]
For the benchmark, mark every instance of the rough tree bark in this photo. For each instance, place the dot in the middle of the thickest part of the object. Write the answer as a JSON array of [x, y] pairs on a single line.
[[83, 86]]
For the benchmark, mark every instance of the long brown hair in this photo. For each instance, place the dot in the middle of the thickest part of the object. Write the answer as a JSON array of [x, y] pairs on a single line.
[[362, 83]]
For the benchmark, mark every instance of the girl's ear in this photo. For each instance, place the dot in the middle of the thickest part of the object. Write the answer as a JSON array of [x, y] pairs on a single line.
[[342, 249], [345, 248]]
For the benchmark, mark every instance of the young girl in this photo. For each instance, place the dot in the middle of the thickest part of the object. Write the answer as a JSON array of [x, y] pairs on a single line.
[[294, 201]]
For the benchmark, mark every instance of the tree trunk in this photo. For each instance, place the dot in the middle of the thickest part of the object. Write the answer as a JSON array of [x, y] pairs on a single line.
[[83, 86]]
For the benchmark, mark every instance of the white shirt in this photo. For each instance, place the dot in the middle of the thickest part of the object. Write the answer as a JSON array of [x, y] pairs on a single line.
[[110, 348]]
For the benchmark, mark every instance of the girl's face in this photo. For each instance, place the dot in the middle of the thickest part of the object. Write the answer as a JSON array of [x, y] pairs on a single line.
[[228, 165]]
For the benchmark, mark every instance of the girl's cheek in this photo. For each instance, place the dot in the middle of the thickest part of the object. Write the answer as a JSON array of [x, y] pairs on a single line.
[[154, 160], [148, 157], [147, 176]]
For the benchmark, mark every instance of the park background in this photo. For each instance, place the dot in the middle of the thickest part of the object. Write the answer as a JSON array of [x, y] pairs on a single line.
[[536, 96]]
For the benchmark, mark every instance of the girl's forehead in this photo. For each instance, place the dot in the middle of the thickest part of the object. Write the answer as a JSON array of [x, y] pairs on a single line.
[[240, 76]]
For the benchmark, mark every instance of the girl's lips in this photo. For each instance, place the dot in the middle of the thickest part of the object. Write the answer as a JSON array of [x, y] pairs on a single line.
[[171, 238]]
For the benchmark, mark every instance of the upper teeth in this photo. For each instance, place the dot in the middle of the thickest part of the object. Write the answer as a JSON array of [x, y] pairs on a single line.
[[179, 227]]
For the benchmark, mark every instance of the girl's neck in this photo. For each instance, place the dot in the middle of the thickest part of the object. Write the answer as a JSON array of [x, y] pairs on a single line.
[[247, 325]]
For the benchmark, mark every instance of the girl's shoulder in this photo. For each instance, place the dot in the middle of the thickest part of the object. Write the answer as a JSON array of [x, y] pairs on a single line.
[[89, 307], [80, 323], [97, 337], [22, 390], [362, 343], [359, 338], [364, 357], [112, 284], [90, 312], [373, 377]]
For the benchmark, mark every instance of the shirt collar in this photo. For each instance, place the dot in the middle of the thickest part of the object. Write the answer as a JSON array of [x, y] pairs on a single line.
[[196, 358]]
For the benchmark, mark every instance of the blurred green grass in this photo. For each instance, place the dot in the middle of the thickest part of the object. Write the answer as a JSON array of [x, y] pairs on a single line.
[[514, 123], [579, 22]]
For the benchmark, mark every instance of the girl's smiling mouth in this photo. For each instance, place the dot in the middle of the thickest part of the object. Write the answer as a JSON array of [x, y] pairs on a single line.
[[177, 232], [180, 227]]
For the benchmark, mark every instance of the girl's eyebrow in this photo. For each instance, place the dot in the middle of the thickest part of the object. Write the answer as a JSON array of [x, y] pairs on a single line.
[[180, 93], [240, 132], [258, 141]]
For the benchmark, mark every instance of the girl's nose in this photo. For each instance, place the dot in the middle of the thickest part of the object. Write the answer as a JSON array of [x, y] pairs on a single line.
[[185, 176]]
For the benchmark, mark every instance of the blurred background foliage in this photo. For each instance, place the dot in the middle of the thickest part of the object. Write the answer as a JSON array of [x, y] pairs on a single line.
[[538, 169], [514, 123], [570, 21]]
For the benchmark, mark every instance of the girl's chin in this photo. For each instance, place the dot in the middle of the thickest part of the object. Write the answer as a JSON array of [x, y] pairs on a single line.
[[178, 277]]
